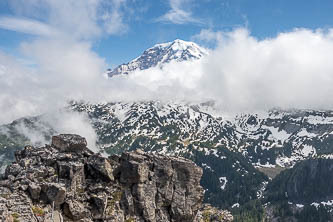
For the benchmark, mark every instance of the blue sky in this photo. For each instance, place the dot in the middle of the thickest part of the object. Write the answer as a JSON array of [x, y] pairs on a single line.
[[144, 23]]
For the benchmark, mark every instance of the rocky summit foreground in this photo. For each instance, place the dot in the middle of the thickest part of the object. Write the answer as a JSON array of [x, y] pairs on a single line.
[[65, 181]]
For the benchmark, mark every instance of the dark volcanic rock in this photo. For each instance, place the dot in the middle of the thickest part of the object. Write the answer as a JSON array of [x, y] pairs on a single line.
[[69, 143], [54, 193], [68, 181], [34, 191], [100, 168]]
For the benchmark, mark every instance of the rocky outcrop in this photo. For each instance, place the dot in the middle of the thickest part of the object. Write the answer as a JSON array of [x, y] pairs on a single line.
[[67, 182], [170, 185], [207, 213]]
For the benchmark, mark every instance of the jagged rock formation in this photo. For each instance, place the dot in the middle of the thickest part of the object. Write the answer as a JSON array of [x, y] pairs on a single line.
[[65, 181]]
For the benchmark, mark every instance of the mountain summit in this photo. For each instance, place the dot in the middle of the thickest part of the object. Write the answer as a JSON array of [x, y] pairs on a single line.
[[160, 54]]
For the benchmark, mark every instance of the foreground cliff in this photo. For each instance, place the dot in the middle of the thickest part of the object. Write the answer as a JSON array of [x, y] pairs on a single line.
[[67, 182]]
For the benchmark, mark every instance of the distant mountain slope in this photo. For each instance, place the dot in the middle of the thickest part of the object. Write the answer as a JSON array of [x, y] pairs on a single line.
[[307, 182], [303, 193], [275, 138], [160, 54]]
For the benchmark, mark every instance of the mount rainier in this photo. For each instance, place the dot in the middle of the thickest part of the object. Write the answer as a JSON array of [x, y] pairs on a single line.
[[160, 54]]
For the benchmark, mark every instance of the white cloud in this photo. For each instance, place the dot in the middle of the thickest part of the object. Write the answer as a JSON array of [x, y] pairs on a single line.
[[72, 123], [291, 70], [27, 26], [114, 19], [179, 13], [78, 19], [209, 36]]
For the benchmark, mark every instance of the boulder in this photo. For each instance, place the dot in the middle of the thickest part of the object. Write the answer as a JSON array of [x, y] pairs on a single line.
[[100, 203], [69, 143], [57, 217], [67, 170], [54, 193], [208, 213], [133, 168], [75, 210], [100, 168], [34, 191], [13, 170]]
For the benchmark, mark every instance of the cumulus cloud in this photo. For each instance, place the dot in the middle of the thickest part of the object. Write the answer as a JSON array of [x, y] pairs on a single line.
[[291, 70], [179, 13]]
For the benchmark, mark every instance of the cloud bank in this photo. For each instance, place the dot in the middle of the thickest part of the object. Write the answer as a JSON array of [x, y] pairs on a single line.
[[292, 70]]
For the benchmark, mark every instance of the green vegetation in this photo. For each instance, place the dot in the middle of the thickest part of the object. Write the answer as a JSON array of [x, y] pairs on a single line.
[[252, 211], [16, 217], [206, 216], [311, 213], [115, 197], [307, 182], [130, 220], [37, 211], [243, 180], [5, 195]]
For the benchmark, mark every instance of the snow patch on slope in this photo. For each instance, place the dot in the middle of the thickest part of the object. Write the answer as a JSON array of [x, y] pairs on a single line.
[[223, 182]]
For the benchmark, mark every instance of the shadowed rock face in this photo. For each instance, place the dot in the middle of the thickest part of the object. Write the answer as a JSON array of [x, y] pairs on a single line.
[[168, 184], [72, 183]]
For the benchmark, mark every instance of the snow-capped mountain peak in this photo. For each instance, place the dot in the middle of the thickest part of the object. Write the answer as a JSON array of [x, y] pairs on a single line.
[[160, 54]]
